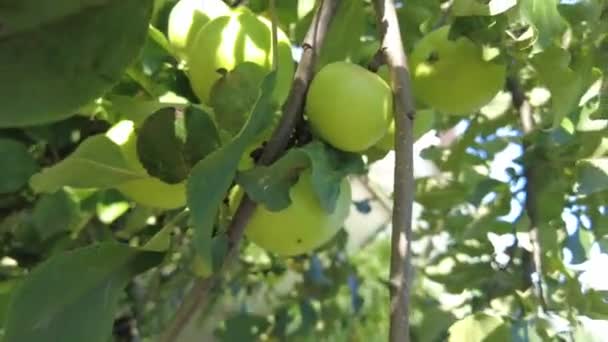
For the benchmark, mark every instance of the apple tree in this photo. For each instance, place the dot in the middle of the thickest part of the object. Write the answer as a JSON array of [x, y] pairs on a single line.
[[304, 170]]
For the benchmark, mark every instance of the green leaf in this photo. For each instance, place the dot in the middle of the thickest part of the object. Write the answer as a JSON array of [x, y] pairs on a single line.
[[16, 166], [480, 327], [97, 163], [566, 85], [54, 62], [242, 327], [7, 288], [159, 147], [479, 7], [30, 14], [344, 33], [211, 177], [73, 296], [544, 16], [270, 184], [202, 136], [55, 213], [233, 95], [592, 175]]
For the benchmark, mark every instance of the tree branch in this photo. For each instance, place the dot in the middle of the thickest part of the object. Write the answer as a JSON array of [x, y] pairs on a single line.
[[198, 296], [400, 269], [524, 110]]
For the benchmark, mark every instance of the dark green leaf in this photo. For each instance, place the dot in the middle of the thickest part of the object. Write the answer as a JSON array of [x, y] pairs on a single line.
[[270, 184], [243, 327], [55, 213], [170, 142], [7, 288], [211, 178], [54, 62], [16, 166], [80, 286], [202, 137], [159, 147]]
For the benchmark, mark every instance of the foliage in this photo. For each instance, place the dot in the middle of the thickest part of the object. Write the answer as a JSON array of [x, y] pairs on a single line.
[[83, 258]]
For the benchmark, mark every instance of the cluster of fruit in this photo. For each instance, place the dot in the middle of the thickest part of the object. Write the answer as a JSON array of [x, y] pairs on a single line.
[[347, 106]]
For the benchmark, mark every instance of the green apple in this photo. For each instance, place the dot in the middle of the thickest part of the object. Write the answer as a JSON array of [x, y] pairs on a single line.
[[148, 190], [451, 75], [349, 106], [230, 40], [187, 17], [301, 227]]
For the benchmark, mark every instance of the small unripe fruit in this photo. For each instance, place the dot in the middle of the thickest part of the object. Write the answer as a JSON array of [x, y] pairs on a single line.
[[301, 227], [187, 17], [451, 75], [349, 106], [230, 40]]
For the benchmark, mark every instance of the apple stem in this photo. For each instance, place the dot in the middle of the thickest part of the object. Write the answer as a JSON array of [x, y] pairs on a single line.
[[198, 296], [400, 267]]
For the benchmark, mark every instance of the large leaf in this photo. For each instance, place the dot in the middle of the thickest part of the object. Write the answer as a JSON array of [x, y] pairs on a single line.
[[211, 178], [270, 184], [16, 165], [30, 14], [73, 296], [97, 163], [55, 58]]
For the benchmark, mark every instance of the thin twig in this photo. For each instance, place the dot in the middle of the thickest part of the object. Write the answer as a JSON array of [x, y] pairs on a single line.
[[524, 110], [198, 296], [377, 61], [400, 269]]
